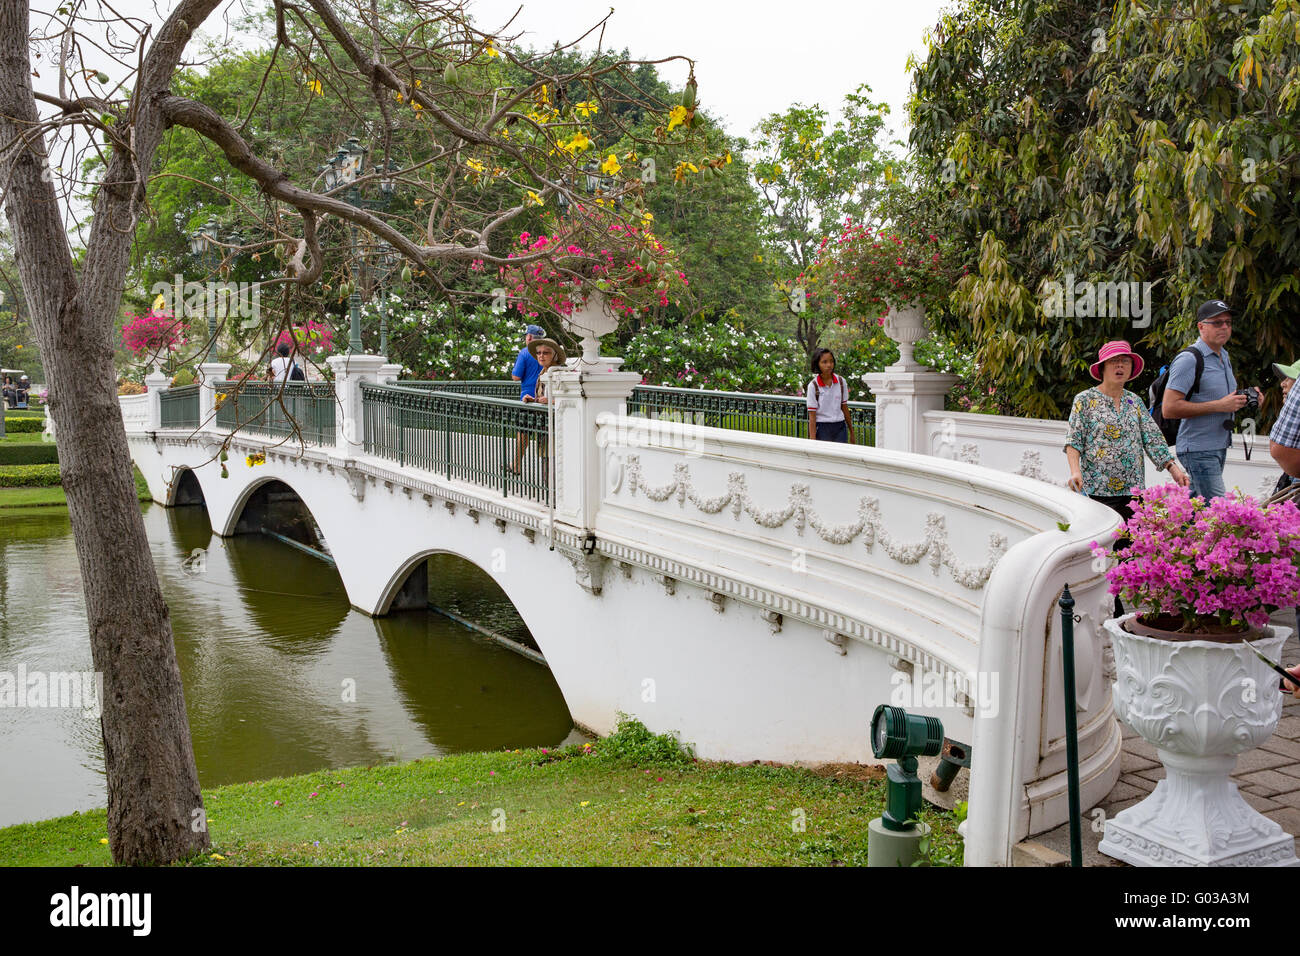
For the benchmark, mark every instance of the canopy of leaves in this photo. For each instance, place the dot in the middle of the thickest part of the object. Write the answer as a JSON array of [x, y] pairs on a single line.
[[1135, 142]]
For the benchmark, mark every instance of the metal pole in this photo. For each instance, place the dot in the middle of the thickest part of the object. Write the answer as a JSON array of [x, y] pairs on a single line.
[[354, 300], [1071, 724]]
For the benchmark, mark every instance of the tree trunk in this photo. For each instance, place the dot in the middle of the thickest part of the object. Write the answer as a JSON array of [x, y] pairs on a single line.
[[154, 803]]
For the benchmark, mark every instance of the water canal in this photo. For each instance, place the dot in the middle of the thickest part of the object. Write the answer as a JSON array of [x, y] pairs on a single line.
[[281, 676]]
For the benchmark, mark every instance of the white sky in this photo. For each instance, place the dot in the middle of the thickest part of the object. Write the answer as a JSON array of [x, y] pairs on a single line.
[[753, 57]]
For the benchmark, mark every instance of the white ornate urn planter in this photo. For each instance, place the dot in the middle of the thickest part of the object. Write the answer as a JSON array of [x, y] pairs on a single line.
[[905, 324], [1200, 704], [589, 322]]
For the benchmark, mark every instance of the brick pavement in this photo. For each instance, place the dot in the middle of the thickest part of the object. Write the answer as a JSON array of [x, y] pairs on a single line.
[[1268, 778]]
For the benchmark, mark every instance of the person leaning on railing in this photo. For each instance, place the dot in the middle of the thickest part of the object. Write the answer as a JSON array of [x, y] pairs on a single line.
[[549, 354], [1110, 431]]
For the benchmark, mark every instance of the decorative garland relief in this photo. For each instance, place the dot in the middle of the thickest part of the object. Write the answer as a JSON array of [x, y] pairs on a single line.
[[799, 508]]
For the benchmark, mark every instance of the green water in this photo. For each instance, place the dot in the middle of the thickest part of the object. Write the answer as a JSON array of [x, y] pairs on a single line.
[[281, 675]]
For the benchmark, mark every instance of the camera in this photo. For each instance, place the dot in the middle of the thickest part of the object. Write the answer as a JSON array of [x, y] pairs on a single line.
[[1252, 400]]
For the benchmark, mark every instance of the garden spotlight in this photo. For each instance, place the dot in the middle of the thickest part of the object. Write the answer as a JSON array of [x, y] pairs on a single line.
[[897, 838]]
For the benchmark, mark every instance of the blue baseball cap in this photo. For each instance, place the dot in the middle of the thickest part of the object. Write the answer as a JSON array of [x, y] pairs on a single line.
[[536, 330]]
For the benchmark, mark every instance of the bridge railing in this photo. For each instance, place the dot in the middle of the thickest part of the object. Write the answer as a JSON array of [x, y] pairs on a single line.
[[179, 407], [494, 442], [738, 411], [135, 412], [275, 408]]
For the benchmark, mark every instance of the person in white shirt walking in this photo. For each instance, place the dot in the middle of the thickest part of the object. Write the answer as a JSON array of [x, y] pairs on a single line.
[[828, 401]]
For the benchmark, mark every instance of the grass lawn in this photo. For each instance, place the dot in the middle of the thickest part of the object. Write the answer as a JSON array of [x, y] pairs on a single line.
[[41, 497], [585, 805], [23, 438]]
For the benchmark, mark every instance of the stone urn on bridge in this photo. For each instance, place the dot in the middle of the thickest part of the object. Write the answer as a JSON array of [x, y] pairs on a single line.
[[1195, 676], [589, 321]]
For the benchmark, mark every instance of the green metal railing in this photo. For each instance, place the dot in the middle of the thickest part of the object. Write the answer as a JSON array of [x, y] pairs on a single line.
[[484, 387], [179, 407], [495, 442], [741, 411], [282, 409]]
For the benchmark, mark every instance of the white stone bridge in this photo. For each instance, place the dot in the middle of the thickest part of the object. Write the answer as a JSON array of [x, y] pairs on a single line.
[[758, 594]]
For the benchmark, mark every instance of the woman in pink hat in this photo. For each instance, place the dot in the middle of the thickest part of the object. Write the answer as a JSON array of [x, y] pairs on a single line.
[[1110, 433]]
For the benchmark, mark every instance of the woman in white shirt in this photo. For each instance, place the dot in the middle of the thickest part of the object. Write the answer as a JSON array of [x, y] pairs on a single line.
[[281, 365], [828, 401]]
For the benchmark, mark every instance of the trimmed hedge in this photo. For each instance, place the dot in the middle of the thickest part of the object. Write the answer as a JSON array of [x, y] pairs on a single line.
[[15, 425], [28, 453], [29, 476]]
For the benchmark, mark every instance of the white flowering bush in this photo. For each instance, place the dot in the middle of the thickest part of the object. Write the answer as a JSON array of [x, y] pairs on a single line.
[[435, 341], [719, 356]]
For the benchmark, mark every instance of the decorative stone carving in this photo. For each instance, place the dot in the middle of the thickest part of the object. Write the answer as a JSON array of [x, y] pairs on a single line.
[[473, 514], [530, 534], [1031, 466], [1199, 703], [356, 482], [969, 453], [719, 601], [450, 506], [589, 570], [626, 569], [904, 665], [670, 585], [774, 621], [799, 509], [501, 524], [905, 324], [839, 641]]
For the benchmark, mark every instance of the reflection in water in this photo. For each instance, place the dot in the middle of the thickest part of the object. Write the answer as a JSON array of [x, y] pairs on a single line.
[[281, 675]]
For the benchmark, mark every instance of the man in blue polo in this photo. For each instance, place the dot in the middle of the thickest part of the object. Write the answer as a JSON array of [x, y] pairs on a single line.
[[525, 372], [1207, 412], [526, 367]]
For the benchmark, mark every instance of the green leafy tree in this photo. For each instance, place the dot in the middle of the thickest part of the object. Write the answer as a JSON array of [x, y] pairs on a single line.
[[810, 177], [1148, 142]]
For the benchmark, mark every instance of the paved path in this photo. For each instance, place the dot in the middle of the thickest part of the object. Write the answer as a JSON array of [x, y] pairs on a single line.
[[1268, 777]]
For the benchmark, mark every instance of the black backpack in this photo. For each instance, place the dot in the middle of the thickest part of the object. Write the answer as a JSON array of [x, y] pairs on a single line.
[[296, 374], [1169, 426]]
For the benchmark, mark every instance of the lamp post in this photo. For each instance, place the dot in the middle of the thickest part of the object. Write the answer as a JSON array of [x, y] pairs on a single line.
[[204, 246], [385, 260], [593, 184], [344, 169]]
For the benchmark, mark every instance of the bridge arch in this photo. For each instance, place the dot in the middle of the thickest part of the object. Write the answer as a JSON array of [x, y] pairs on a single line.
[[185, 489]]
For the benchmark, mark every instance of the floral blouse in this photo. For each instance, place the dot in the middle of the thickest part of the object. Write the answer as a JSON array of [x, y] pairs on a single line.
[[1111, 442]]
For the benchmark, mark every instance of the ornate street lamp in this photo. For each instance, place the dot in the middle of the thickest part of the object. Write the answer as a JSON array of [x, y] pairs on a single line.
[[204, 246], [347, 166], [385, 259]]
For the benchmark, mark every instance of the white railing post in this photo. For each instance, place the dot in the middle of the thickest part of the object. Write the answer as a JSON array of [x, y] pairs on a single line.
[[156, 382], [581, 396], [209, 374], [350, 371], [902, 399]]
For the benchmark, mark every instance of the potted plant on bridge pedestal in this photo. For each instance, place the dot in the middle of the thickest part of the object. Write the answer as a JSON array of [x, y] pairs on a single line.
[[1190, 679], [622, 270], [152, 336]]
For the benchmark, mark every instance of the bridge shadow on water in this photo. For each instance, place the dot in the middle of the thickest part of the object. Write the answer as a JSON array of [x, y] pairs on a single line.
[[282, 676]]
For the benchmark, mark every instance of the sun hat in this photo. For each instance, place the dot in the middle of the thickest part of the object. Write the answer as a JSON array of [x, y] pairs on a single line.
[[1109, 351], [536, 331], [560, 357], [1211, 308], [1287, 371]]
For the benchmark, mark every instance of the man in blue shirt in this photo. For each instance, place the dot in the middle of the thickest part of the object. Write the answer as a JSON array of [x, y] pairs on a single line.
[[1284, 439], [1206, 430], [525, 372], [526, 367]]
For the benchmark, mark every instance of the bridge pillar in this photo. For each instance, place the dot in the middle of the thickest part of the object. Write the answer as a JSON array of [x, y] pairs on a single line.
[[390, 373], [209, 374], [902, 398], [580, 397], [156, 383], [350, 371]]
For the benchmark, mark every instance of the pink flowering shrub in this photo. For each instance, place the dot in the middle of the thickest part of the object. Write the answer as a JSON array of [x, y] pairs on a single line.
[[313, 338], [632, 268], [864, 271], [152, 333], [1226, 562]]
